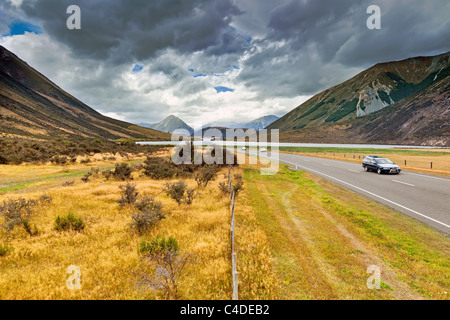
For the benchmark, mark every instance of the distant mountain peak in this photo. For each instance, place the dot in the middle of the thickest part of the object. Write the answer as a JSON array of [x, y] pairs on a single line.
[[170, 124]]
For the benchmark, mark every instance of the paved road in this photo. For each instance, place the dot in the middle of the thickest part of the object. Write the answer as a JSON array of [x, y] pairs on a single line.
[[422, 197]]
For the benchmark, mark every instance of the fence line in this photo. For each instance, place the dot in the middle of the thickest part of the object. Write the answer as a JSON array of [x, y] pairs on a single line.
[[234, 272]]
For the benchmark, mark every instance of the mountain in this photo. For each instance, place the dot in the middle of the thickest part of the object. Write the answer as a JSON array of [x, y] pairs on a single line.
[[170, 124], [401, 102], [31, 106], [260, 123], [256, 124]]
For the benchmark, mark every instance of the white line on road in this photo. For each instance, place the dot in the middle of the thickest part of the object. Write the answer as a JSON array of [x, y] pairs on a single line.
[[325, 164], [353, 171], [408, 184], [373, 194], [423, 175]]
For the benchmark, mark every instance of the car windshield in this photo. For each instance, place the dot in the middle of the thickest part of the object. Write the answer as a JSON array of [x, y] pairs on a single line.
[[383, 161]]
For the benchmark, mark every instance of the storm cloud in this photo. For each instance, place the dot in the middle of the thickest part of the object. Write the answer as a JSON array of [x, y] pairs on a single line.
[[273, 54]]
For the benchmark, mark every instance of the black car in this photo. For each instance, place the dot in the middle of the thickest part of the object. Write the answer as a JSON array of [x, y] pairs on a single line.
[[380, 165]]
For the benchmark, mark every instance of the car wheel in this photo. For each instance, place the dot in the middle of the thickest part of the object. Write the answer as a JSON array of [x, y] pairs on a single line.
[[366, 168], [379, 171]]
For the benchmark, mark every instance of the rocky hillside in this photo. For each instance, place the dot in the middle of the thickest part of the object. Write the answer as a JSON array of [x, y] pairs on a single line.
[[402, 101], [31, 106]]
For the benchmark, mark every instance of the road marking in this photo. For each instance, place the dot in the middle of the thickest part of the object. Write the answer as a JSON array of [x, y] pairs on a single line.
[[353, 171], [375, 195], [325, 164], [424, 175], [408, 184]]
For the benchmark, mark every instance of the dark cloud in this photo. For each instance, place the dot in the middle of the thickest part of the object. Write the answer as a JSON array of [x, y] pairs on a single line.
[[283, 50], [120, 29]]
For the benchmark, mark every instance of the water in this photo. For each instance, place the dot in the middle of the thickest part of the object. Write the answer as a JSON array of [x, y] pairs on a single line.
[[283, 144]]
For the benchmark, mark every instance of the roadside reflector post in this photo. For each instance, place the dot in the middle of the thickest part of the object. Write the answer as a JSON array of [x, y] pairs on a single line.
[[405, 162], [431, 165]]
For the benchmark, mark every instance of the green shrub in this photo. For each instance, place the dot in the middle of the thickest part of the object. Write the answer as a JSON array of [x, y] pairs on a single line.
[[69, 222], [4, 249], [159, 245]]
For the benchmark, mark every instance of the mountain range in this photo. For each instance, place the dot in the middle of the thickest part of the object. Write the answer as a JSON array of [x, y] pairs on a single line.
[[172, 123], [31, 106], [400, 102]]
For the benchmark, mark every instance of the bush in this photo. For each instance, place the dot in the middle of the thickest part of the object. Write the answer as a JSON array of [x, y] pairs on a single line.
[[86, 177], [159, 244], [149, 213], [44, 199], [122, 171], [68, 183], [18, 213], [107, 174], [69, 222], [129, 195], [189, 196], [4, 250], [176, 190], [223, 187], [237, 187], [159, 169], [162, 265], [206, 174]]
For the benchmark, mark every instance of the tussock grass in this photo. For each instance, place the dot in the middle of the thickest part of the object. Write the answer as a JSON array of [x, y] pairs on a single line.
[[107, 250]]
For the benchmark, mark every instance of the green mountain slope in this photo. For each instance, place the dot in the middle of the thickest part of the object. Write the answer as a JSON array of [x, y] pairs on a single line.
[[33, 106], [401, 88]]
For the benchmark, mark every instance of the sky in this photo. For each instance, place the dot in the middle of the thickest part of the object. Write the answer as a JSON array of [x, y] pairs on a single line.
[[210, 60]]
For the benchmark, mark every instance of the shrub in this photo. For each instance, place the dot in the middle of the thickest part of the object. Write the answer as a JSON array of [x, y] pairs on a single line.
[[237, 187], [176, 190], [44, 199], [149, 213], [107, 174], [223, 187], [69, 222], [162, 265], [159, 169], [68, 183], [158, 244], [189, 196], [59, 160], [129, 195], [85, 161], [4, 249], [122, 171], [206, 174], [18, 213], [86, 177]]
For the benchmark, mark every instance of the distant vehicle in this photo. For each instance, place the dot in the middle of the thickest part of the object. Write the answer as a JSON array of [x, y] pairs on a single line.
[[380, 165], [243, 148], [263, 150]]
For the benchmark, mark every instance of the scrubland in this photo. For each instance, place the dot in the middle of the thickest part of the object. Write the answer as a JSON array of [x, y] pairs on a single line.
[[297, 237]]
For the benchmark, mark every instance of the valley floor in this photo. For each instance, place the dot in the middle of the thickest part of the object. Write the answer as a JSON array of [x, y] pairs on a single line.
[[297, 237]]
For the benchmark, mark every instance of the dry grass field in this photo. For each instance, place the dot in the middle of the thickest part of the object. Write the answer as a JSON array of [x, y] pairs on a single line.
[[297, 237]]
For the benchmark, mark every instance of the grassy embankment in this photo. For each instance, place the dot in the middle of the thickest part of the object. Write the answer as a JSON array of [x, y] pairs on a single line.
[[322, 238]]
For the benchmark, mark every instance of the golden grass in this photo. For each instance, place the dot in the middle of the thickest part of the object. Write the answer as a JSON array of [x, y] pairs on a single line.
[[107, 251], [297, 237]]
